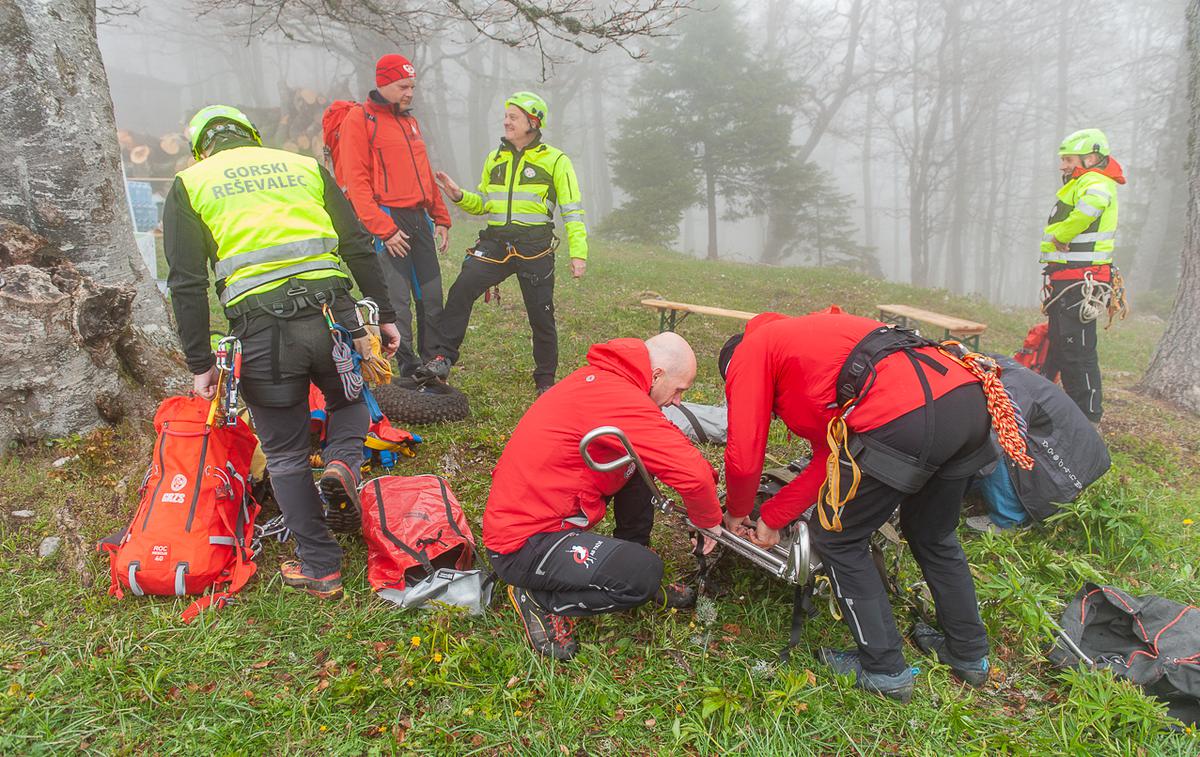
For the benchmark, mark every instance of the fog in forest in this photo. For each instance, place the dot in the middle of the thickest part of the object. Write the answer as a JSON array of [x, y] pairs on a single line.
[[910, 139]]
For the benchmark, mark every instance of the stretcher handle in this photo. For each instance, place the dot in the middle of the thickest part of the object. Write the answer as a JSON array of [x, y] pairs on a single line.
[[630, 456]]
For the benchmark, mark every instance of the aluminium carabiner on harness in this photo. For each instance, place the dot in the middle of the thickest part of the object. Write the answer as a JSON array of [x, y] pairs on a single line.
[[229, 362]]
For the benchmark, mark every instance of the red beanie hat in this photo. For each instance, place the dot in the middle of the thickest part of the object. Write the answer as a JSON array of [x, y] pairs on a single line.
[[391, 68]]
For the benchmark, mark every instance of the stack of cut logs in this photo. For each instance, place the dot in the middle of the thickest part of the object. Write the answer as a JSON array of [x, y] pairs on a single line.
[[296, 126]]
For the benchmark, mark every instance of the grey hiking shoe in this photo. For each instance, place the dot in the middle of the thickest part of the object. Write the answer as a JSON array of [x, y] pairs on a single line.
[[674, 596], [983, 524], [550, 634], [932, 641], [437, 369], [898, 686]]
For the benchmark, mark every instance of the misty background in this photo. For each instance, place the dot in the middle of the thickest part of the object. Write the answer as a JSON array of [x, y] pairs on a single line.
[[911, 139]]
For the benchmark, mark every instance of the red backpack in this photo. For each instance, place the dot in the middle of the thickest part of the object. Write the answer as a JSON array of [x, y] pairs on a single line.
[[1032, 354], [331, 133], [194, 524], [419, 544]]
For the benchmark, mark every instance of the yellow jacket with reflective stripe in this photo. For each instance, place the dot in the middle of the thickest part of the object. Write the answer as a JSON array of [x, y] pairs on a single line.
[[1085, 217], [266, 211], [524, 189]]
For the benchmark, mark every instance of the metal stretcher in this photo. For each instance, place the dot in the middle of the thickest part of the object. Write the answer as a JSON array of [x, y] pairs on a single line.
[[791, 560]]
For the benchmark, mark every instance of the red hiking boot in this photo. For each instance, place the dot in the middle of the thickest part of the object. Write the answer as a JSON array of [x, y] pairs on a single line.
[[327, 587]]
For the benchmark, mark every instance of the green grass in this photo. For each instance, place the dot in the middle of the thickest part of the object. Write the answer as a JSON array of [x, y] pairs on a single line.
[[279, 672]]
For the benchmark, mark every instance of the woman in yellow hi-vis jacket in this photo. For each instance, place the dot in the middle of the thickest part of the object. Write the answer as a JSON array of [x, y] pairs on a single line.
[[524, 181]]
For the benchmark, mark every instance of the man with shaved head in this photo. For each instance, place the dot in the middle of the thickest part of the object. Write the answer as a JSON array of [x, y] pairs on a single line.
[[545, 501]]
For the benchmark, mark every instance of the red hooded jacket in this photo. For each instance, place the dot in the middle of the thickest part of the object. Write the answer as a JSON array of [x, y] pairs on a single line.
[[384, 162], [789, 367], [541, 480]]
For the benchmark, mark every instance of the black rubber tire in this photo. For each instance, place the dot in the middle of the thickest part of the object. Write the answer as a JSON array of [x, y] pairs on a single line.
[[404, 401]]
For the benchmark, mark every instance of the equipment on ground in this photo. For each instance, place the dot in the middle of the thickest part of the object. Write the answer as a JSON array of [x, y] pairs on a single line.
[[1084, 142], [420, 549], [532, 105], [405, 401], [194, 525], [1148, 640]]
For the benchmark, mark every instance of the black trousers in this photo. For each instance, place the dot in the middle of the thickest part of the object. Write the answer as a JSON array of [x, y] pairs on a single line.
[[1072, 354], [415, 278], [537, 290], [929, 521], [279, 359], [577, 572]]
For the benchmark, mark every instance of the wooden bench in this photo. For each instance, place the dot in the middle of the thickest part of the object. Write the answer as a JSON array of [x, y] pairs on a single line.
[[967, 332], [671, 314]]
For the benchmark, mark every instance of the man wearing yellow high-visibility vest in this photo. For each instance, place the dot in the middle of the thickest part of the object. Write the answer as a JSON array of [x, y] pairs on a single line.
[[275, 228], [524, 181], [1077, 250]]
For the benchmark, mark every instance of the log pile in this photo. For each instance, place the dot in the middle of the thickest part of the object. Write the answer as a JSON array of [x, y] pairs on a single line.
[[295, 126]]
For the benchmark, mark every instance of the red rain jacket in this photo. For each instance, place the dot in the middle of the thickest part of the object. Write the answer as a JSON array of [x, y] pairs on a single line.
[[788, 367], [541, 480], [384, 162]]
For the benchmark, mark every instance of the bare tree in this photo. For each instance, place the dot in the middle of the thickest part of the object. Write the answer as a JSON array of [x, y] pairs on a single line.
[[1174, 373]]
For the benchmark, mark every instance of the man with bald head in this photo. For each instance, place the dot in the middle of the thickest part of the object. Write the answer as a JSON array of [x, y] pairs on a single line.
[[544, 500]]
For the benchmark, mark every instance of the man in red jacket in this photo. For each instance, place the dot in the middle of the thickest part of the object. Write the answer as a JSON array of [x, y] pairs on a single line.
[[384, 168], [918, 429], [544, 500]]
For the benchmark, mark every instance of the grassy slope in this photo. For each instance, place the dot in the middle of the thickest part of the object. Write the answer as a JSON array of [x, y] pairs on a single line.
[[279, 672]]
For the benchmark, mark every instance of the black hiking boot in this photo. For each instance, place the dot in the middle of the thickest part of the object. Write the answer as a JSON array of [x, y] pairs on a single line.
[[932, 641], [551, 635], [339, 488], [898, 686], [674, 596], [437, 369]]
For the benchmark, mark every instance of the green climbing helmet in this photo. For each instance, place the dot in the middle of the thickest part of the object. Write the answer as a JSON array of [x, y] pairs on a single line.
[[532, 105], [198, 128], [1085, 142]]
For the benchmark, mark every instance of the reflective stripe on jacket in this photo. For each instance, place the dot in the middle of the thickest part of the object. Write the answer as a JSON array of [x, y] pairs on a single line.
[[525, 188], [1085, 217], [266, 211]]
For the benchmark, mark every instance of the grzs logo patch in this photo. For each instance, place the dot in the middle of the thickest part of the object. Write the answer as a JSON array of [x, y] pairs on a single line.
[[174, 498], [584, 556]]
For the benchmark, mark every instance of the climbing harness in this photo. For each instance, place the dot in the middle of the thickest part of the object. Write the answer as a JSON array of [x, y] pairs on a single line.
[[376, 369], [343, 356], [510, 252], [900, 471], [1095, 297]]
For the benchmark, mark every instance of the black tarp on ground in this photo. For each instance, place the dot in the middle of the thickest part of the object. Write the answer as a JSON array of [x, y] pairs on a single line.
[[1148, 640]]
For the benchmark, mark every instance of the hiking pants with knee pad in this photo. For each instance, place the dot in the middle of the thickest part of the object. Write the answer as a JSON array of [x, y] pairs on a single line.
[[279, 359], [415, 278], [1072, 354], [536, 278], [929, 521]]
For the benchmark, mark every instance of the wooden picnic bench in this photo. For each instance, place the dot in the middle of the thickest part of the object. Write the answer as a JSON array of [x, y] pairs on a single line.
[[965, 331], [671, 314]]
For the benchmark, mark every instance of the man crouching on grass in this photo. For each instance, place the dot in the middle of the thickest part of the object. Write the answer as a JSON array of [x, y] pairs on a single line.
[[545, 500]]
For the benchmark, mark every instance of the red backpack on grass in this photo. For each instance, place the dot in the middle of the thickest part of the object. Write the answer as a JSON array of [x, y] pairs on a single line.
[[194, 524], [419, 545]]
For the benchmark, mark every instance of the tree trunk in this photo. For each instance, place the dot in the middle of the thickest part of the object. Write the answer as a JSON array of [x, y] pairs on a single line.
[[710, 198], [1174, 373], [60, 165], [61, 184]]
